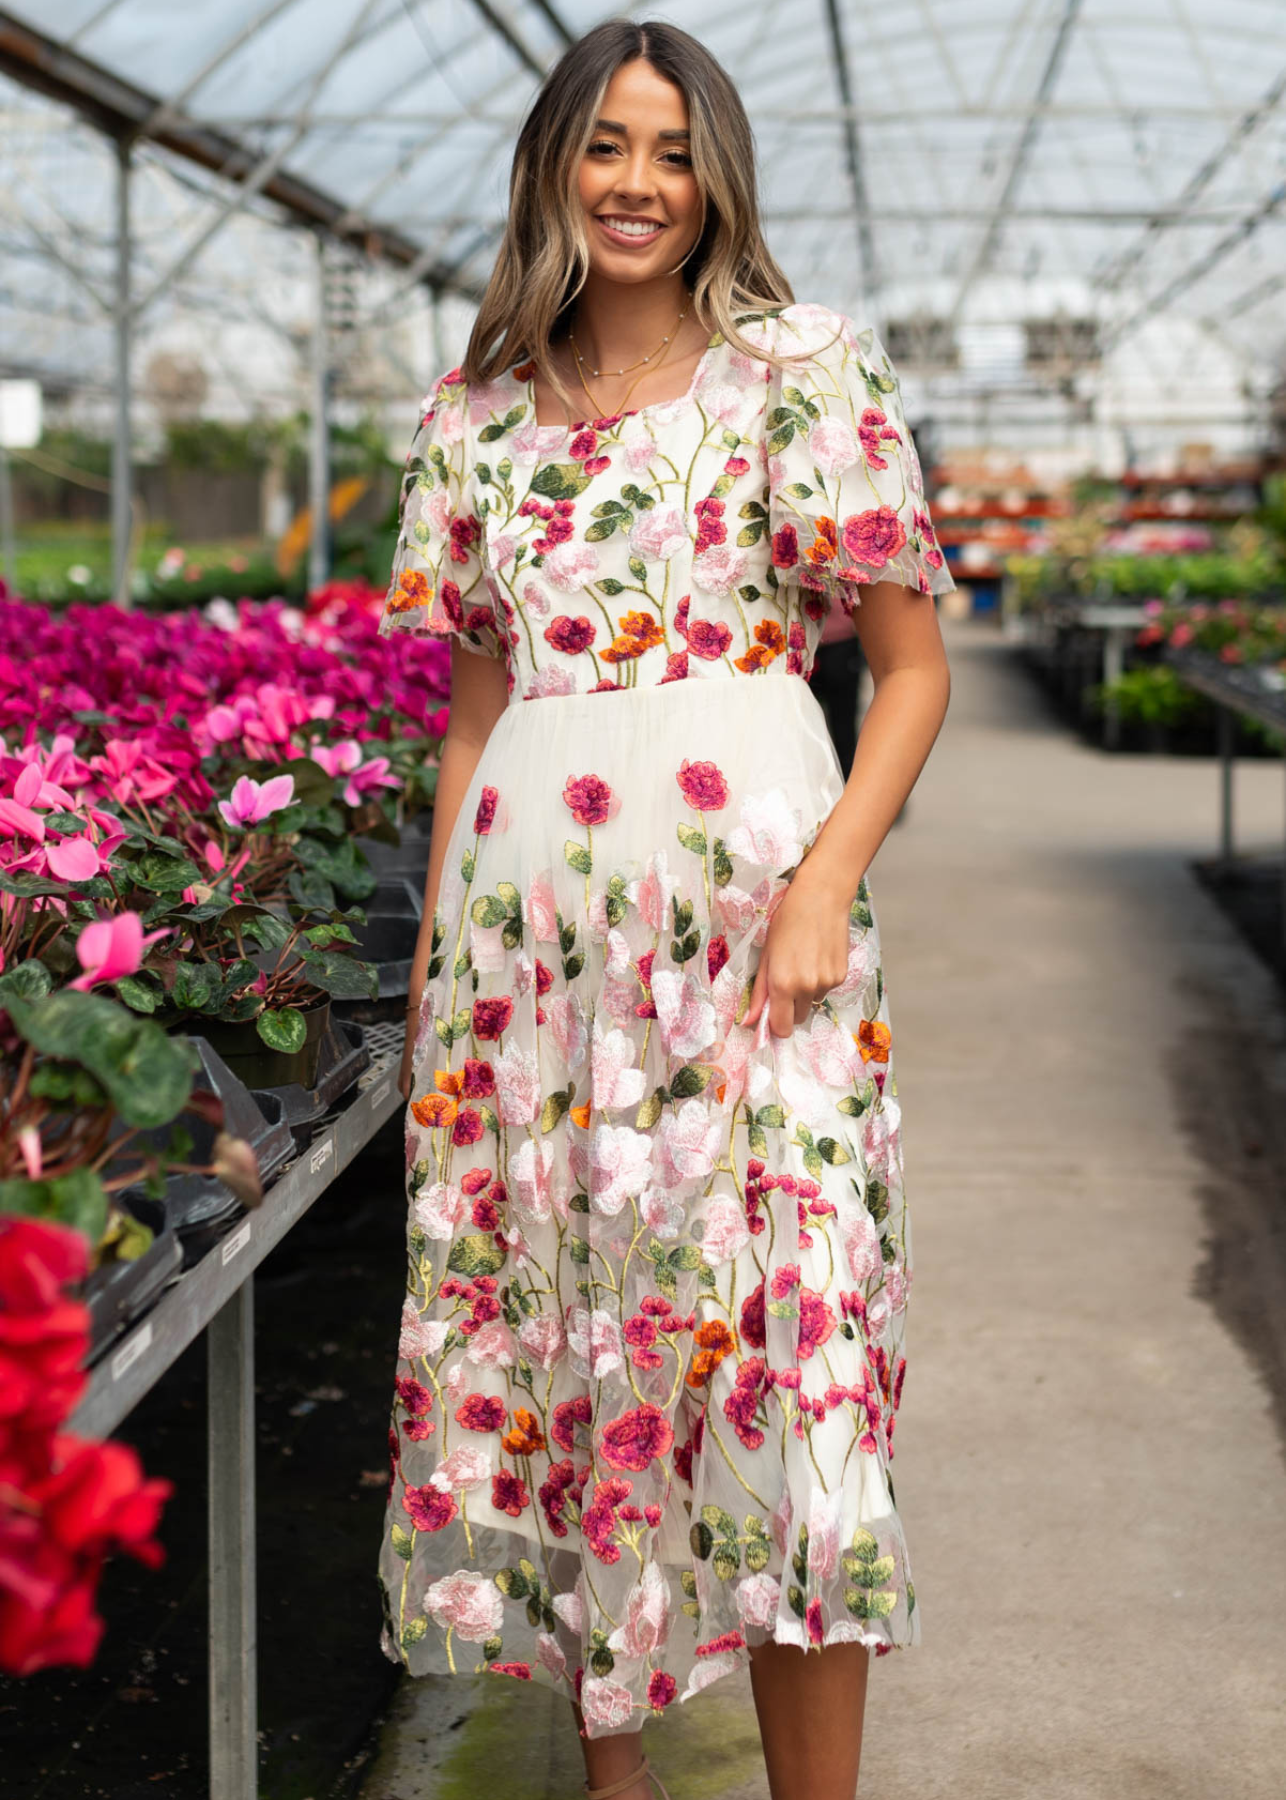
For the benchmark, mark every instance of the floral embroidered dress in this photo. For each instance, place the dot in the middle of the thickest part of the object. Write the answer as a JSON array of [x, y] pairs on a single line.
[[657, 1261]]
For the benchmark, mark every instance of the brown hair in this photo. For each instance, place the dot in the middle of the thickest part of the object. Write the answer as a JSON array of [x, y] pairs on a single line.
[[544, 255]]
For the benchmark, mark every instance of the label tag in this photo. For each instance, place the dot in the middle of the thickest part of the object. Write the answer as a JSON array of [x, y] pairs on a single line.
[[380, 1094], [237, 1241], [321, 1155], [129, 1353]]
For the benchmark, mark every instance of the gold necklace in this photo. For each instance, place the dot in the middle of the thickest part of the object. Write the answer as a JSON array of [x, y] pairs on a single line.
[[629, 367], [599, 411]]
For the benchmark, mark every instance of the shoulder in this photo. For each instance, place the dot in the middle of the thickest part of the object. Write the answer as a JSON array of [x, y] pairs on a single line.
[[453, 405]]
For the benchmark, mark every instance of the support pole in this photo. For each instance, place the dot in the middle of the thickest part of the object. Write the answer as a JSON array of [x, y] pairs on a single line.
[[10, 569], [319, 436], [436, 343], [1226, 728], [122, 447], [230, 1401]]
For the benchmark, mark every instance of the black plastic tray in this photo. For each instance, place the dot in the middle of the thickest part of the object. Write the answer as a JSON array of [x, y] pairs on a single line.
[[118, 1293], [344, 1056]]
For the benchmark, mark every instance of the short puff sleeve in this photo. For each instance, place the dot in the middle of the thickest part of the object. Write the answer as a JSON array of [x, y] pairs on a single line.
[[846, 495], [438, 585]]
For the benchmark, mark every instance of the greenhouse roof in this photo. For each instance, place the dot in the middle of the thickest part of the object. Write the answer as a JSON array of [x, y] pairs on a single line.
[[968, 164]]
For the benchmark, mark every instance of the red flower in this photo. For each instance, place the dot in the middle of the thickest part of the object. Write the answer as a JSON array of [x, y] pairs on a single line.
[[509, 1493], [598, 1521], [485, 815], [873, 537], [490, 1018], [813, 1621], [468, 1126], [702, 785], [753, 1324], [429, 1508], [520, 1670], [708, 640], [717, 954], [465, 533], [567, 1415], [785, 547], [816, 1321], [481, 1412], [415, 1397], [590, 799], [571, 636], [661, 1690], [636, 1438], [582, 445], [728, 1640]]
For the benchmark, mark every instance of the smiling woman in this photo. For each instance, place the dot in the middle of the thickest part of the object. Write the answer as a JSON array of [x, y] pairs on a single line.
[[658, 1252]]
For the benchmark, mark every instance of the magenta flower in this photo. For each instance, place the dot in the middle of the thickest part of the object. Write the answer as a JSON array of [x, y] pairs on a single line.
[[110, 948], [633, 1440], [873, 537], [253, 801], [590, 799], [702, 785]]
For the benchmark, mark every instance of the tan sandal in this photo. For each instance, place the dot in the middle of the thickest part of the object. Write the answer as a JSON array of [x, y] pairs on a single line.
[[619, 1787]]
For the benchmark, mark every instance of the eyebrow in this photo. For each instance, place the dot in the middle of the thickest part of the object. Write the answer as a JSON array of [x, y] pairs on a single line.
[[665, 136]]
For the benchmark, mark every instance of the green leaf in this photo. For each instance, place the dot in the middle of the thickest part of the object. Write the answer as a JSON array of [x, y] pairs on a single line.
[[638, 568], [138, 995], [198, 987], [772, 1114], [28, 980], [556, 1104], [692, 839], [799, 490], [402, 1542], [511, 897], [462, 1023], [76, 1199], [719, 1520], [415, 1629], [476, 1254], [684, 1256], [701, 1539], [147, 1074], [283, 1028], [781, 438], [578, 1249], [795, 1600], [610, 585], [649, 1110], [578, 856], [341, 976], [489, 433], [691, 1079], [559, 481], [512, 1583], [161, 874], [602, 529], [488, 910]]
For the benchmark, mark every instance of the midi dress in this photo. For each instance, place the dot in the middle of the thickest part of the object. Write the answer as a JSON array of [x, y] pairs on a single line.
[[651, 1349]]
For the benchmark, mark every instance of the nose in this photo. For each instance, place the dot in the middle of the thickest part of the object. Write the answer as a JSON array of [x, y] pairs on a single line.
[[635, 179]]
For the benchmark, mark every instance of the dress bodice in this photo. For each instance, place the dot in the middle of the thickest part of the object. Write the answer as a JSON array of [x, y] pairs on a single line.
[[697, 539]]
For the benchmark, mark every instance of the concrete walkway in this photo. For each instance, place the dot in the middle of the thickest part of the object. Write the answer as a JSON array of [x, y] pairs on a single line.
[[1089, 1455]]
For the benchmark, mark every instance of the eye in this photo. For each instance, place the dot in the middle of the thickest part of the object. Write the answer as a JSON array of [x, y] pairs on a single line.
[[600, 145], [678, 159]]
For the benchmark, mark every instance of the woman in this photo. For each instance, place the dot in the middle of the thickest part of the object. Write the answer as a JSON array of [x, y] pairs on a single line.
[[657, 1246]]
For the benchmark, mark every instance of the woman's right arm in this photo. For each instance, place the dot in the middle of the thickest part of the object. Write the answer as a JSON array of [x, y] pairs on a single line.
[[479, 694]]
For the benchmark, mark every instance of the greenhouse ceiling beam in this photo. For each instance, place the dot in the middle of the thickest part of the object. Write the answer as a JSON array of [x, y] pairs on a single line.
[[1018, 161], [868, 281], [509, 34], [257, 178], [552, 17], [173, 106], [870, 116], [1247, 122], [121, 110], [1196, 271]]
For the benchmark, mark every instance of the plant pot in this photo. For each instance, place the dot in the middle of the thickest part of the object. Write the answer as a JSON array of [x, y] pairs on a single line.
[[118, 1293], [253, 1062]]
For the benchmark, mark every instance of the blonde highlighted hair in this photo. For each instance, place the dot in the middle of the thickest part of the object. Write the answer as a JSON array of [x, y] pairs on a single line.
[[544, 256]]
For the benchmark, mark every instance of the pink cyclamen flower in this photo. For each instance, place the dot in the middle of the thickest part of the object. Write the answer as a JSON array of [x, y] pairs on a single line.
[[110, 948], [254, 801]]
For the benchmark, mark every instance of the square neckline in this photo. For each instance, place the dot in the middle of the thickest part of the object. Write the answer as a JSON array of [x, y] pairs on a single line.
[[682, 401]]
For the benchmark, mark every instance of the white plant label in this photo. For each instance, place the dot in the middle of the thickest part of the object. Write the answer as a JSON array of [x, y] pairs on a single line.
[[129, 1353], [321, 1155], [238, 1241]]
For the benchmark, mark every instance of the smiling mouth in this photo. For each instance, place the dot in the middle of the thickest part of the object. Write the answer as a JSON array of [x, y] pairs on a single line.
[[635, 228]]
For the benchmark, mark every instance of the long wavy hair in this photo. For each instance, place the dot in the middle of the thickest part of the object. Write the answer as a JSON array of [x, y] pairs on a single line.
[[544, 257]]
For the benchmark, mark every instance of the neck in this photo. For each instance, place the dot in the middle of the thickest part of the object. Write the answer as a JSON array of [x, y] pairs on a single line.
[[615, 323]]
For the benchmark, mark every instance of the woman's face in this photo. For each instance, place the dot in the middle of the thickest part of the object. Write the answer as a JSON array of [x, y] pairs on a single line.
[[643, 210]]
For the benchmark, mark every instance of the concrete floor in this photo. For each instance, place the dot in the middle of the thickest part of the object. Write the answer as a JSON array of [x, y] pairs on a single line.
[[1089, 1452]]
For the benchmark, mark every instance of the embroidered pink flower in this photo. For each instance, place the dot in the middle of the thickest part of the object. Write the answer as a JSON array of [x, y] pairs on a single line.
[[874, 537], [833, 446], [758, 1597], [470, 1604], [647, 1615], [429, 1508], [571, 636], [726, 1231], [590, 798], [702, 785], [509, 1493], [543, 1339], [598, 1521], [659, 533], [606, 1703], [708, 640], [481, 1412], [491, 1017], [635, 1439], [485, 816]]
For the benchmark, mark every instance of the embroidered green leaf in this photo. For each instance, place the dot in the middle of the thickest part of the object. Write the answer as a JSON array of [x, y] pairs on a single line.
[[799, 490], [578, 1249], [510, 895], [688, 1582], [719, 1520], [795, 1600], [771, 1114], [488, 910], [556, 1104], [489, 433], [783, 1309], [727, 1559], [638, 568], [684, 1256], [851, 1105], [511, 936], [578, 856], [692, 839], [649, 1110], [572, 966], [414, 1630], [722, 864], [476, 1254], [870, 1606], [691, 1079], [603, 528], [489, 1120], [833, 1151], [513, 1583], [813, 1163], [750, 593], [701, 1539], [402, 1542], [749, 534], [461, 1023], [467, 865], [560, 481], [610, 585], [877, 1200]]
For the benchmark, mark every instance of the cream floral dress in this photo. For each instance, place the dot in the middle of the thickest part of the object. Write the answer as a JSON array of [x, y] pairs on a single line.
[[657, 1261]]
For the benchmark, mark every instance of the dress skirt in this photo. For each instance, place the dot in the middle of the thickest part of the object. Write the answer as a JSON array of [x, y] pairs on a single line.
[[657, 1261]]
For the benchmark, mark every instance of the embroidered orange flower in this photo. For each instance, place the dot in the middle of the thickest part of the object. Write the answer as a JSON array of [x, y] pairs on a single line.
[[448, 1081], [873, 1040], [434, 1110], [579, 1115], [715, 1341], [526, 1438], [825, 545], [640, 631]]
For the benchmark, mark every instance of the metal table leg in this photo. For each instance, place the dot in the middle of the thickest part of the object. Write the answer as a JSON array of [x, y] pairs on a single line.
[[234, 1761], [1226, 728], [1113, 668]]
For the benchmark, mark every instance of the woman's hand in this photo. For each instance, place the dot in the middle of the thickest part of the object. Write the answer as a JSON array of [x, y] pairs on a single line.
[[805, 954]]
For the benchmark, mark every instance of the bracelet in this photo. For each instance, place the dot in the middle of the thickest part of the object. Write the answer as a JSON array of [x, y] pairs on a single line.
[[415, 1005]]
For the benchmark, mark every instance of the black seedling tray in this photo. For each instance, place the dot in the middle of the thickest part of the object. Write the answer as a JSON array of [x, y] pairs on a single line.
[[119, 1293]]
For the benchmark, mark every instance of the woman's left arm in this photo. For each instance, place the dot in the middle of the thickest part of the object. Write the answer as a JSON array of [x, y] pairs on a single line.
[[806, 949]]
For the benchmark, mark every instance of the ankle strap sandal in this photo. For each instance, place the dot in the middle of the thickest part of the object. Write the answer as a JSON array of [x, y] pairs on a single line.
[[644, 1770]]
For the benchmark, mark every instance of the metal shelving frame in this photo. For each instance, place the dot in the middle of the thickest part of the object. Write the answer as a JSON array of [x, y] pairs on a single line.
[[217, 1297]]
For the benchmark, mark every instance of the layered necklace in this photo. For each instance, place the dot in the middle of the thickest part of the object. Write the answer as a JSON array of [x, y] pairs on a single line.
[[653, 359]]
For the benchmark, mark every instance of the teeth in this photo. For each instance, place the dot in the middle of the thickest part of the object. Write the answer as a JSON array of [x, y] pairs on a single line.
[[633, 227]]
